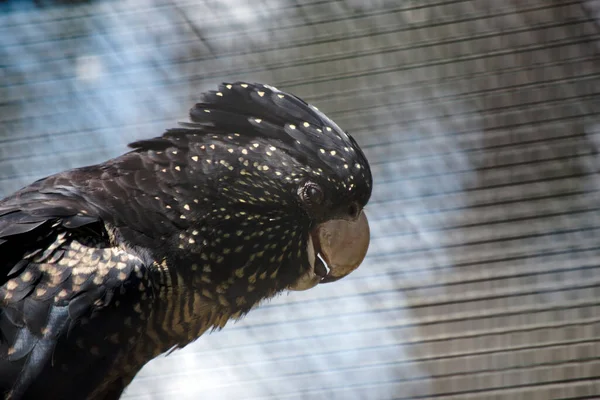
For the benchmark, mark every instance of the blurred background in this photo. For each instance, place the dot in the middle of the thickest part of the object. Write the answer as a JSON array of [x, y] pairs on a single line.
[[481, 122]]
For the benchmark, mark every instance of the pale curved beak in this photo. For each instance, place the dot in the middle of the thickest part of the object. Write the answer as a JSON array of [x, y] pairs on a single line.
[[342, 244]]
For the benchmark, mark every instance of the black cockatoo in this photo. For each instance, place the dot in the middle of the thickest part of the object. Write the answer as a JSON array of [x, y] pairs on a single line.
[[104, 267]]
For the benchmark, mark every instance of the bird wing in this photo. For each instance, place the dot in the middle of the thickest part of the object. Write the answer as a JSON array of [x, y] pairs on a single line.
[[59, 269]]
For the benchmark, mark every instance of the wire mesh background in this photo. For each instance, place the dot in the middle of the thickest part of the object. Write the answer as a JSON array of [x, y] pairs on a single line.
[[481, 122]]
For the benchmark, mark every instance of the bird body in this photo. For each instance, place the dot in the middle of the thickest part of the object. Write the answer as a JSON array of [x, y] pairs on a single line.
[[104, 267]]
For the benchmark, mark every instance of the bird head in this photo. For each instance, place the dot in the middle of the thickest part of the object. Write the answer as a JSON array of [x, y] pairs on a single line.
[[278, 193]]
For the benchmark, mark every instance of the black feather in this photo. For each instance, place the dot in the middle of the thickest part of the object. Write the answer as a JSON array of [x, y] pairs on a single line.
[[22, 292], [14, 315], [77, 221], [17, 268], [35, 314], [23, 344], [41, 351]]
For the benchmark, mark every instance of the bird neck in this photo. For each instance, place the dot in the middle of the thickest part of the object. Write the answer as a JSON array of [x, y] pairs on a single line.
[[183, 313]]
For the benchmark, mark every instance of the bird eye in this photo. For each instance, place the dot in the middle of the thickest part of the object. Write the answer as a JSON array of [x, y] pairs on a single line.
[[353, 210], [312, 194]]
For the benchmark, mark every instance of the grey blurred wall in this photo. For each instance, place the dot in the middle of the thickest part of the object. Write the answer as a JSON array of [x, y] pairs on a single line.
[[481, 123]]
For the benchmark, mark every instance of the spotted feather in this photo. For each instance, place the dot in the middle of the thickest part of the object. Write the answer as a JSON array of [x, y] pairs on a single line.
[[104, 267]]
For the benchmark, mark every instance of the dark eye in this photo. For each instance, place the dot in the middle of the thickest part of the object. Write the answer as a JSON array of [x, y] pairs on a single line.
[[353, 210], [312, 194]]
